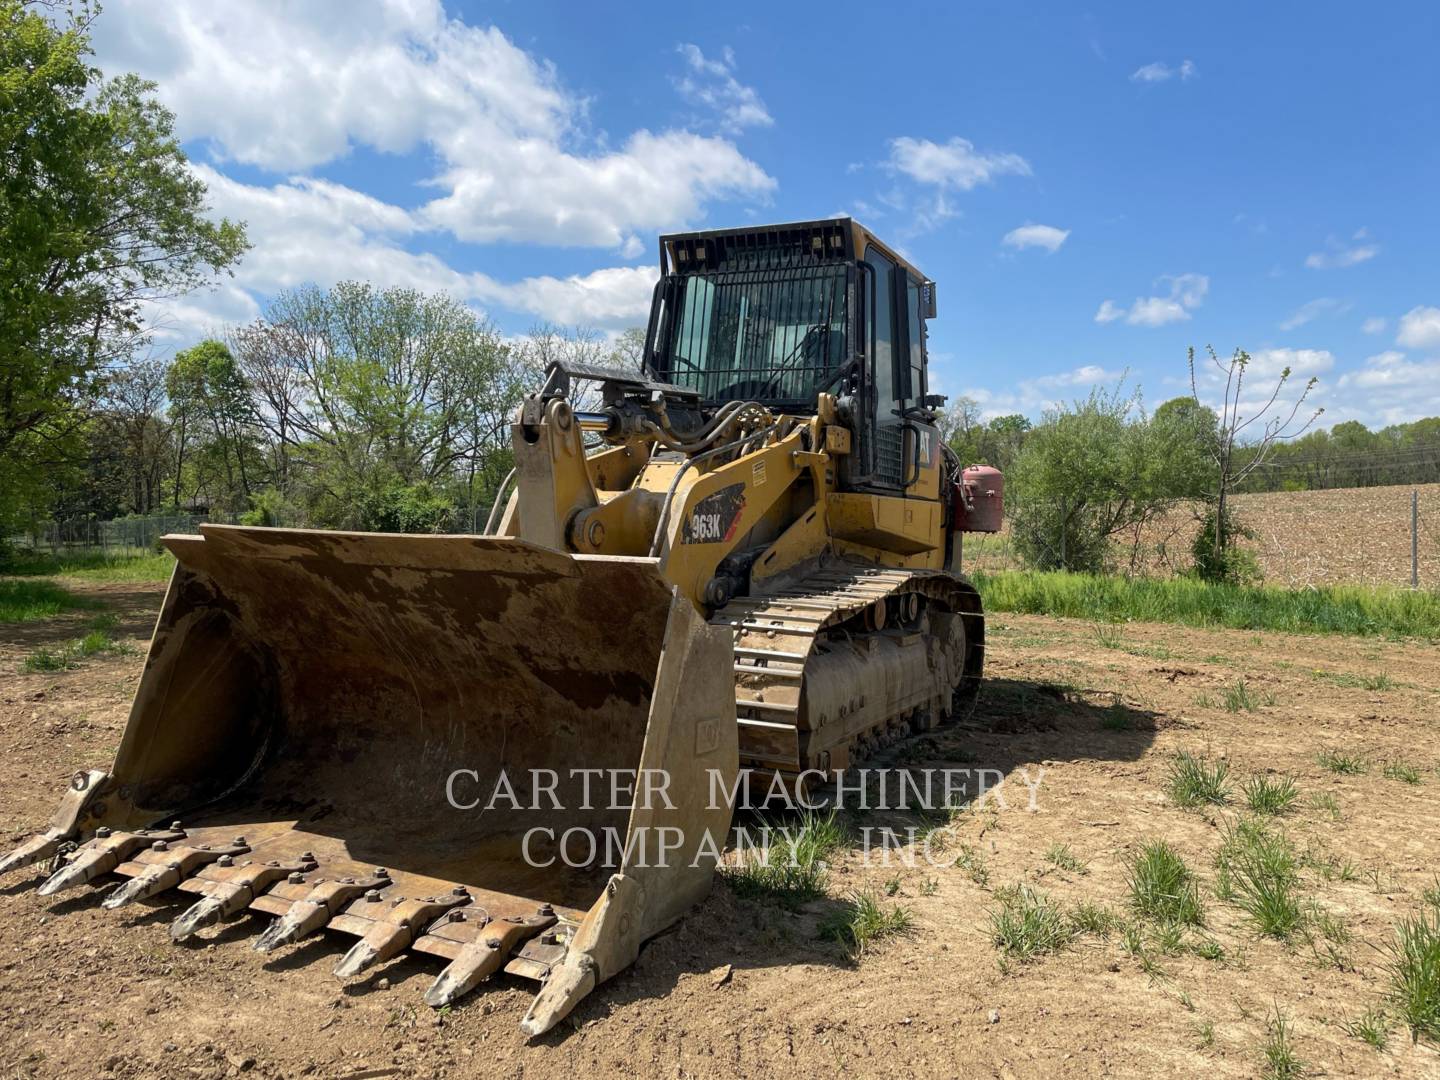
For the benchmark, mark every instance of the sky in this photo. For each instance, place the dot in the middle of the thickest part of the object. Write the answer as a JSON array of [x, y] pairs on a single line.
[[1093, 190]]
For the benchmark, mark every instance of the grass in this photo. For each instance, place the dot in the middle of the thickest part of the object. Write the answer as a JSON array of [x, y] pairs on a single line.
[[1270, 795], [69, 655], [1028, 923], [865, 922], [1343, 764], [1087, 918], [1338, 609], [1259, 872], [93, 566], [792, 869], [972, 860], [26, 601], [1238, 697], [1060, 855], [1279, 1049], [1402, 771], [1357, 682], [1326, 803], [1373, 1029], [1162, 887], [1195, 781], [1413, 963]]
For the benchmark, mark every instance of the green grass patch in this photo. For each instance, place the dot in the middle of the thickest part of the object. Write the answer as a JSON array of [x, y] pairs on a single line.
[[865, 922], [1028, 923], [1279, 1050], [1239, 697], [1088, 918], [23, 600], [131, 565], [1271, 795], [1402, 771], [1413, 963], [1373, 1029], [1162, 887], [63, 657], [1341, 763], [1195, 780], [1060, 856], [1357, 682], [1338, 609], [1259, 872], [792, 868]]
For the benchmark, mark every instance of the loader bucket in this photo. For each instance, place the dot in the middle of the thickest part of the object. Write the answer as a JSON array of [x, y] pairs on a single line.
[[426, 742]]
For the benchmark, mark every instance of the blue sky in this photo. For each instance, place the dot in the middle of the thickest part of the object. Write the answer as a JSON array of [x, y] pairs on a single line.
[[1092, 190]]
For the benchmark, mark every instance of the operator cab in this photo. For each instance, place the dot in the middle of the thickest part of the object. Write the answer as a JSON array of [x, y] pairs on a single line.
[[781, 314]]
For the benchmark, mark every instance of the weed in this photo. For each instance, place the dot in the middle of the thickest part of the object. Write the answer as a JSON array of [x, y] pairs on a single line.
[[1431, 894], [1205, 1034], [1194, 781], [1062, 857], [1267, 795], [892, 886], [1325, 803], [972, 860], [1089, 918], [1329, 937], [1162, 887], [1028, 923], [793, 869], [1402, 771], [865, 922], [1259, 873], [1330, 867], [1342, 763], [1373, 1029], [1280, 1060], [1208, 949], [1240, 698], [1414, 966], [930, 886], [1357, 682]]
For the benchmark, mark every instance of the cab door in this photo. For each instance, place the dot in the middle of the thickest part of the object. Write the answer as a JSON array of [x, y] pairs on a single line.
[[886, 452], [922, 454]]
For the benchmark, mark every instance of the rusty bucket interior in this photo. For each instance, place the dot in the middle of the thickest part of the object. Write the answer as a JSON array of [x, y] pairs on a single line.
[[340, 693]]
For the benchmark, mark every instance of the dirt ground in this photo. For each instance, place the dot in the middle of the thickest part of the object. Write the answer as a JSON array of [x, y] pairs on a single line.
[[749, 989]]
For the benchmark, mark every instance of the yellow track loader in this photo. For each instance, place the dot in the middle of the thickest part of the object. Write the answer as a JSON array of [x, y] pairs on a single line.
[[518, 751]]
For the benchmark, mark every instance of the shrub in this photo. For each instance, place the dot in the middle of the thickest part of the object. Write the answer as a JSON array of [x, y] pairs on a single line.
[[1234, 565]]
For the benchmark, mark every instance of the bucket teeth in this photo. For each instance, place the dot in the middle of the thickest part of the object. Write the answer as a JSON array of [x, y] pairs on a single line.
[[36, 849], [100, 855], [156, 879], [204, 912], [379, 945], [307, 916], [481, 957], [304, 918]]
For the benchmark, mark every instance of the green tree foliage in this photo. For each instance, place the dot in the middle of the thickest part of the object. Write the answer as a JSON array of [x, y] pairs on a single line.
[[1097, 471], [98, 214], [995, 442], [380, 406], [214, 428]]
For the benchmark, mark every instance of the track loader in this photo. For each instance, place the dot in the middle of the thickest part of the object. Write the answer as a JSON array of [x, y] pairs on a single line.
[[740, 559]]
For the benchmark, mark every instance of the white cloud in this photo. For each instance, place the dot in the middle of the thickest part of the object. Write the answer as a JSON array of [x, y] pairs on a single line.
[[1312, 310], [1374, 325], [1419, 328], [1391, 389], [1033, 396], [1186, 292], [1303, 363], [308, 231], [1339, 254], [953, 164], [290, 88], [1042, 236], [712, 84], [1160, 71]]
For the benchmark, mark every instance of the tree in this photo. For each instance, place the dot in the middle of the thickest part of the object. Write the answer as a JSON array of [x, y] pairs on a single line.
[[215, 425], [99, 214], [378, 402], [1100, 469], [1233, 425]]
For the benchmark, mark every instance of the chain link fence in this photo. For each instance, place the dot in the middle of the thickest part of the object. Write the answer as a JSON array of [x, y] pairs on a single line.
[[1342, 536]]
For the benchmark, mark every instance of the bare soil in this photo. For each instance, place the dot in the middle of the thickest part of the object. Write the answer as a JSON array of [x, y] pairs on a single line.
[[749, 989]]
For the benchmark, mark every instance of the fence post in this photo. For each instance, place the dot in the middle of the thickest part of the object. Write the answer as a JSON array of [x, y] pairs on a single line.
[[1414, 538], [1064, 512]]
